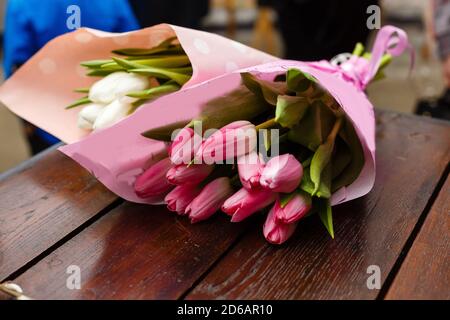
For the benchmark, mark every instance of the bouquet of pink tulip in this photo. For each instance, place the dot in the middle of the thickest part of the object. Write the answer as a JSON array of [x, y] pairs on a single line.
[[314, 149], [288, 138]]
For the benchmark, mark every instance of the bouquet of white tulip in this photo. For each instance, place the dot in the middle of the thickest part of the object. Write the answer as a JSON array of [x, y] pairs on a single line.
[[128, 82]]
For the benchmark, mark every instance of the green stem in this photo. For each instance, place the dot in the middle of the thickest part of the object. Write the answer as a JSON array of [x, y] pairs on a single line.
[[359, 49], [266, 125]]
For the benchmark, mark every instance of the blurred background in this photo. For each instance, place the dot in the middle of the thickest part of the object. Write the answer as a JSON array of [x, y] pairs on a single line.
[[294, 29]]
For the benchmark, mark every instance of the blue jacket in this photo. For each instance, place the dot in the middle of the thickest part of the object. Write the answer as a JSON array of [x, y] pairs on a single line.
[[30, 24]]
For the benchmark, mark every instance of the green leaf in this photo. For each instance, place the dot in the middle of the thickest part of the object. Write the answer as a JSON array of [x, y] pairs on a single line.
[[155, 92], [82, 90], [322, 156], [265, 89], [239, 104], [171, 61], [125, 64], [79, 102], [359, 49], [308, 186], [325, 214], [324, 190], [164, 133], [314, 127], [179, 78], [299, 81], [176, 49], [341, 158], [95, 64], [290, 110], [352, 171], [100, 73]]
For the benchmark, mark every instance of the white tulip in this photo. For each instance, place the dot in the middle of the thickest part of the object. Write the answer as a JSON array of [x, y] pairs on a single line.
[[112, 113], [117, 85], [91, 111], [88, 115], [84, 124]]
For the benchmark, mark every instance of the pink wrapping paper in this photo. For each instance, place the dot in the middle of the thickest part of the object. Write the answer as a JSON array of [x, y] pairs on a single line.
[[117, 155], [40, 89]]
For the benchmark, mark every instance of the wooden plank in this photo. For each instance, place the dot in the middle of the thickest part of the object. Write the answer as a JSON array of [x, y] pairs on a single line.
[[411, 157], [133, 252], [42, 201], [425, 273]]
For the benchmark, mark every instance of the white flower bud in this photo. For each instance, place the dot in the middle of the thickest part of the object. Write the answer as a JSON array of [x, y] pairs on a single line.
[[111, 114], [88, 115], [117, 85]]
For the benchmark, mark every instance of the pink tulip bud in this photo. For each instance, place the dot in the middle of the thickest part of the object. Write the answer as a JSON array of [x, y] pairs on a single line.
[[245, 202], [233, 140], [184, 146], [297, 207], [275, 231], [180, 197], [250, 167], [209, 200], [153, 181], [282, 174], [192, 174]]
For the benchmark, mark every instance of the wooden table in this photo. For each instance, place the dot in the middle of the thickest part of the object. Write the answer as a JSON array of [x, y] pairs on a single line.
[[54, 214]]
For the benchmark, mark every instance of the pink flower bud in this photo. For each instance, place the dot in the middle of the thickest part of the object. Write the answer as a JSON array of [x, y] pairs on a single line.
[[282, 174], [250, 167], [275, 231], [233, 140], [192, 174], [184, 146], [297, 207], [209, 200], [180, 197], [153, 181], [245, 202]]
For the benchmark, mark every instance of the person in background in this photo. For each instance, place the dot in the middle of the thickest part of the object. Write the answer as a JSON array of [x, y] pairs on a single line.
[[441, 12], [179, 12], [30, 24], [438, 25], [321, 29]]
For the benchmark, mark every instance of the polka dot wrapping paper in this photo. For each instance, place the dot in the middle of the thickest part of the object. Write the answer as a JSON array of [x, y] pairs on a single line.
[[119, 154]]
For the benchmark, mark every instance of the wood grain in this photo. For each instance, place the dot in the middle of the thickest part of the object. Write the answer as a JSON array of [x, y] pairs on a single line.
[[133, 252], [411, 157], [425, 273], [42, 201]]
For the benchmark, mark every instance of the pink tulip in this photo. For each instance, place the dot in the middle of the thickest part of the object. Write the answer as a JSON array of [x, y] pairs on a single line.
[[233, 140], [250, 167], [180, 197], [184, 146], [244, 203], [275, 231], [192, 174], [295, 209], [282, 174], [153, 181], [209, 200]]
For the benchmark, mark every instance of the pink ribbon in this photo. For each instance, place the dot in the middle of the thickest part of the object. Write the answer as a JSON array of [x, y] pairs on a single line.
[[361, 71]]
